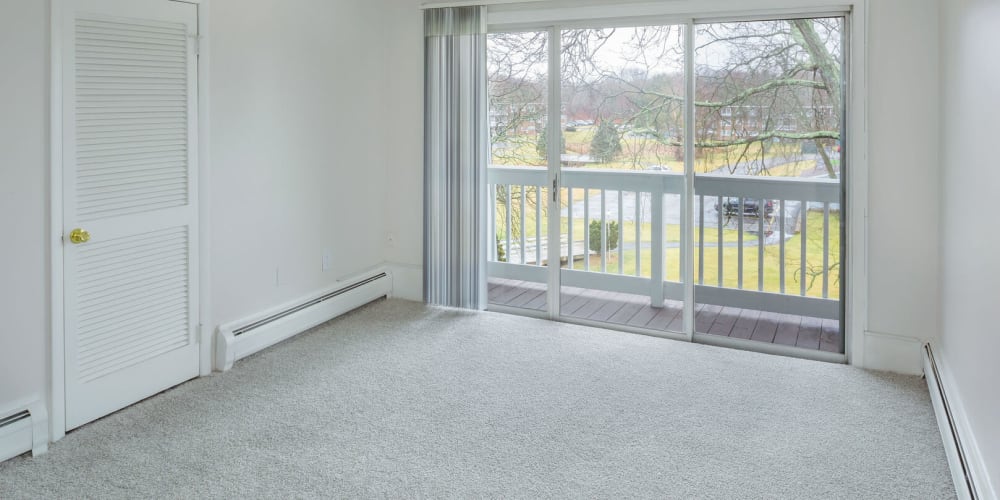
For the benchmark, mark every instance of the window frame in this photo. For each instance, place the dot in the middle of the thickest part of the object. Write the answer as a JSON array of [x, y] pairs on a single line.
[[559, 15]]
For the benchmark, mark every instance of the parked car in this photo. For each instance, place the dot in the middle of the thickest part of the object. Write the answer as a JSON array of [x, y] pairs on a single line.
[[751, 207]]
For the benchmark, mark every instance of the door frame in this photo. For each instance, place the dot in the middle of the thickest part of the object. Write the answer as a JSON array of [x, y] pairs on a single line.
[[855, 183], [57, 356]]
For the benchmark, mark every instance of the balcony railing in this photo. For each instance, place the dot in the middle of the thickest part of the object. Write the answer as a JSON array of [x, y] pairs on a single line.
[[735, 217]]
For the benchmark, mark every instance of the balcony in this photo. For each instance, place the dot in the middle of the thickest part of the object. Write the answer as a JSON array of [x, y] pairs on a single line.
[[766, 252]]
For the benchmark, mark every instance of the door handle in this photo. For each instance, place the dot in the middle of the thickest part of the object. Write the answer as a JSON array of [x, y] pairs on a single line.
[[78, 236]]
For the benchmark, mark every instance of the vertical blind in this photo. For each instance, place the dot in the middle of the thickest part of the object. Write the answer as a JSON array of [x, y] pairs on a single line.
[[455, 156]]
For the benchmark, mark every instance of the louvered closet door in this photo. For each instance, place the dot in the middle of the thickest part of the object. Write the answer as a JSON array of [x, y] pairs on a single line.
[[130, 201]]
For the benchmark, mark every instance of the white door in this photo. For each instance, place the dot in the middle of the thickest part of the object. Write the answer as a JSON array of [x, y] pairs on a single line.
[[130, 201]]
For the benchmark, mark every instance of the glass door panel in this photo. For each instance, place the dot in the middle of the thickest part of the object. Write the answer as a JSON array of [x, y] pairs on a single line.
[[768, 170], [621, 176], [517, 79]]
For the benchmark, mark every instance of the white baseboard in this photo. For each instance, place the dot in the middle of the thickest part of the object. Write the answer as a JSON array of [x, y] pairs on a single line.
[[407, 281], [26, 431], [968, 470], [893, 353], [232, 343]]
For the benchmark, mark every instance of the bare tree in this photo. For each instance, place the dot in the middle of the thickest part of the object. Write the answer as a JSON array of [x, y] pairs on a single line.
[[767, 93]]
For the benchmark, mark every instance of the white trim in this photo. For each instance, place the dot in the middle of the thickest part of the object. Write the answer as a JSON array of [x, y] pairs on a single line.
[[204, 188], [57, 365], [892, 353], [39, 428], [407, 281], [673, 12], [950, 413], [56, 415], [442, 5], [856, 260], [555, 176], [688, 195]]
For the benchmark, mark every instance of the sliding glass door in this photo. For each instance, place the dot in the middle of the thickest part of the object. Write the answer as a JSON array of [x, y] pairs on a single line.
[[768, 170], [686, 177], [517, 79], [621, 172]]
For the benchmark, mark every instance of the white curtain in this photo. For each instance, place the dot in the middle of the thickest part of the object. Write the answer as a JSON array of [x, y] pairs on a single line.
[[455, 156]]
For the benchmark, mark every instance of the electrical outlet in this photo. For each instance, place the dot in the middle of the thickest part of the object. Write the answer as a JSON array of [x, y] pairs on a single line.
[[327, 259]]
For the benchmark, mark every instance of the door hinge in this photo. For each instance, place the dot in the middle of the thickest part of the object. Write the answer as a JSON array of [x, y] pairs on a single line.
[[196, 44], [555, 189]]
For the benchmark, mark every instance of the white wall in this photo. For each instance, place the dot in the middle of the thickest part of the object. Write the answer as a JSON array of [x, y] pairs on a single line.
[[404, 107], [24, 171], [903, 296], [970, 180], [903, 137], [298, 148]]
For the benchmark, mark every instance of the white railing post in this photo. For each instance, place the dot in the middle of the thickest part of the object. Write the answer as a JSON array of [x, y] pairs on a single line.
[[719, 238], [656, 292], [638, 233], [538, 225], [621, 234], [761, 217], [524, 226], [803, 258], [826, 250], [701, 239], [739, 239], [604, 231], [586, 229], [491, 224], [507, 222], [781, 249], [569, 229]]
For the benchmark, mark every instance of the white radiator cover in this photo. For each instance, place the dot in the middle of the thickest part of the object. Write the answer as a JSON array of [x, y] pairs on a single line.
[[968, 470], [23, 429], [242, 338]]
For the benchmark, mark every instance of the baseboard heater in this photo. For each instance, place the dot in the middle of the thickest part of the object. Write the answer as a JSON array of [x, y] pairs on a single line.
[[23, 431], [241, 339], [958, 459]]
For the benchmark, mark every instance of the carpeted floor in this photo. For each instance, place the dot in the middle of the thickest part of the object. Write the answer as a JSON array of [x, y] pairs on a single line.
[[401, 400]]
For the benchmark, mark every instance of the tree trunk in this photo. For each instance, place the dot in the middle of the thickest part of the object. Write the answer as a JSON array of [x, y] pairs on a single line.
[[826, 160]]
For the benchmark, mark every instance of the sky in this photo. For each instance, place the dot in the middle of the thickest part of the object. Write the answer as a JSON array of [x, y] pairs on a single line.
[[663, 52]]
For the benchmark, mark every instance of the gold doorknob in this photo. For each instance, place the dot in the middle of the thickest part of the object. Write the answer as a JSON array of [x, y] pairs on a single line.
[[78, 236]]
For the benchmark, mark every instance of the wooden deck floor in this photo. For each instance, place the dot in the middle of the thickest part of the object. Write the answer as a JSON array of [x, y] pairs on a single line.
[[635, 311]]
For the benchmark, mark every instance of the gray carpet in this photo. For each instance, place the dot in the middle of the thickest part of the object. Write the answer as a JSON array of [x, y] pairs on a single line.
[[401, 400]]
